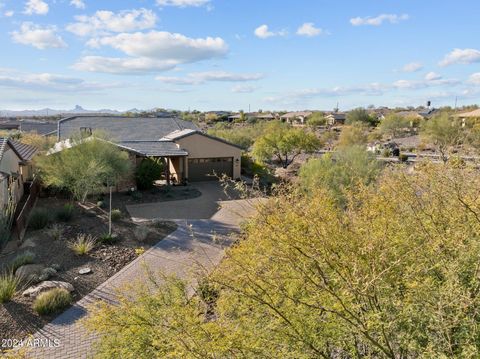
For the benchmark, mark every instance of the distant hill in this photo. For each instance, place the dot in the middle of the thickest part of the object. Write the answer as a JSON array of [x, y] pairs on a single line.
[[52, 112]]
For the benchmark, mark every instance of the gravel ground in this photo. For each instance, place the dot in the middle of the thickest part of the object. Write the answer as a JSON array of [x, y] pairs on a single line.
[[17, 319]]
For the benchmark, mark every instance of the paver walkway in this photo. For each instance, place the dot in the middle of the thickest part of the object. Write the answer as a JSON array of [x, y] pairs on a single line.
[[197, 242]]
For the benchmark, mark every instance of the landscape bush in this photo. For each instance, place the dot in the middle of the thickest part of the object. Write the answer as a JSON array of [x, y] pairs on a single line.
[[26, 257], [108, 238], [148, 171], [52, 301], [403, 157], [309, 279], [56, 231], [83, 244], [65, 213], [141, 232], [116, 214], [8, 286], [39, 218]]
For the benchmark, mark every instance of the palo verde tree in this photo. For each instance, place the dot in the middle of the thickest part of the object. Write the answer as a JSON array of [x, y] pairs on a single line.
[[312, 280], [284, 143], [444, 133], [394, 125], [84, 168]]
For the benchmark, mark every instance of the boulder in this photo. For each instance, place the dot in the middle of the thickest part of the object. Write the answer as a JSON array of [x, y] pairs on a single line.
[[30, 272], [85, 271], [46, 285]]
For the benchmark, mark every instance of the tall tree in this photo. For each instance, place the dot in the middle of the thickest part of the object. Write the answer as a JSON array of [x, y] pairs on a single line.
[[393, 125], [284, 143], [444, 133], [84, 168]]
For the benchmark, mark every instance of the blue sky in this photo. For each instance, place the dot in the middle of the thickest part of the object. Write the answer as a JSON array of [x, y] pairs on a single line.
[[229, 54]]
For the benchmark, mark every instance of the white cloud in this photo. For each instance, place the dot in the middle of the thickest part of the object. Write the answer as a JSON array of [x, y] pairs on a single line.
[[79, 4], [48, 82], [37, 7], [474, 78], [103, 22], [8, 13], [432, 76], [115, 65], [164, 45], [263, 32], [436, 80], [183, 3], [461, 56], [38, 36], [308, 29], [244, 88], [412, 67], [209, 76], [378, 20]]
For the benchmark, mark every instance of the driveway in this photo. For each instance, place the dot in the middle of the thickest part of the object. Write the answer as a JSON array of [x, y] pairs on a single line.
[[198, 243], [202, 207]]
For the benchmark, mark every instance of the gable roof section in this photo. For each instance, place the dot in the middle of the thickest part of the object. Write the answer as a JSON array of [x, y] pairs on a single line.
[[23, 151], [124, 128], [153, 148], [177, 135]]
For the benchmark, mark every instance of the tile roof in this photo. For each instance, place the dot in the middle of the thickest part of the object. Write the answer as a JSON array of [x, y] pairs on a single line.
[[153, 148], [23, 151], [124, 128], [42, 128]]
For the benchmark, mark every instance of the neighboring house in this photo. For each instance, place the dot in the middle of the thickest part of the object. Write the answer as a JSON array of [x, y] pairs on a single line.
[[296, 118], [190, 154], [336, 118], [15, 168], [469, 118], [42, 128], [255, 116], [9, 125]]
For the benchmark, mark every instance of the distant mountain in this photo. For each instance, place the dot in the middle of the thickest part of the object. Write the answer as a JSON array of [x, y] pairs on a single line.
[[52, 112]]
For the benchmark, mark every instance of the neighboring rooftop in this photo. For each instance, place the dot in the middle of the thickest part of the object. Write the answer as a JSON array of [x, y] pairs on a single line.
[[23, 151], [470, 114], [40, 127], [153, 148], [121, 129]]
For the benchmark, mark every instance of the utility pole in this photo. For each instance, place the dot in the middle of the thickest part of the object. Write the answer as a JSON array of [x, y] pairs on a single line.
[[456, 98]]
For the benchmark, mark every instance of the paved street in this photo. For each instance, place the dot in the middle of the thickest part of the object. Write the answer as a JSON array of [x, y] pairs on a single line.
[[196, 243]]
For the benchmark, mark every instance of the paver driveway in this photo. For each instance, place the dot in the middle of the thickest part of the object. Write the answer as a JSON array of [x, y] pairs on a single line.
[[196, 242]]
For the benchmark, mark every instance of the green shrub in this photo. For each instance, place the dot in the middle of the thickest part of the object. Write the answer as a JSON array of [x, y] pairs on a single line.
[[8, 286], [83, 244], [141, 232], [56, 231], [101, 204], [116, 214], [52, 301], [22, 259], [147, 172], [108, 239], [65, 213], [386, 152], [39, 218]]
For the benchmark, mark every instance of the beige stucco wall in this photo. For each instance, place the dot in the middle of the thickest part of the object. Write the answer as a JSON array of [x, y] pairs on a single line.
[[10, 164], [199, 146]]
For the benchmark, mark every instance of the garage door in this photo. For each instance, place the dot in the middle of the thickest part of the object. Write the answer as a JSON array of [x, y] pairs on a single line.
[[203, 169]]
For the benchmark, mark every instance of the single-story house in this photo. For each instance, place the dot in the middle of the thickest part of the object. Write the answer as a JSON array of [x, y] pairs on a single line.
[[15, 169], [470, 117], [190, 154], [296, 118], [336, 118]]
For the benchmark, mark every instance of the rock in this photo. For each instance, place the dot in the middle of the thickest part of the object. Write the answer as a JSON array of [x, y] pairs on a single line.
[[10, 247], [29, 243], [30, 272], [47, 285], [85, 271]]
